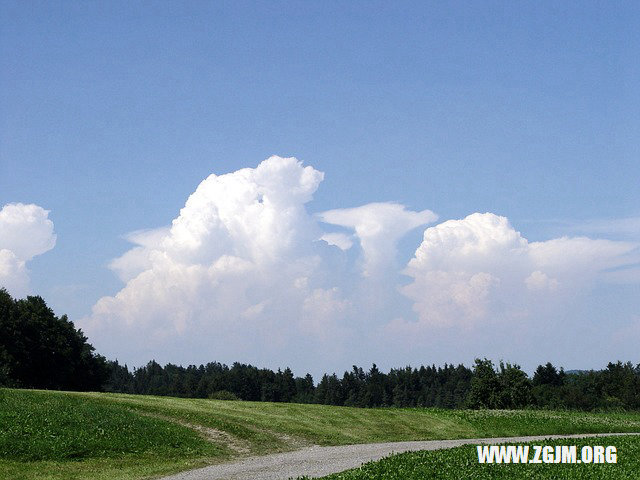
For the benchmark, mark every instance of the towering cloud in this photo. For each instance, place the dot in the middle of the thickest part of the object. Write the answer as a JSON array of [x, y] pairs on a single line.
[[244, 272], [25, 231], [378, 226], [239, 267]]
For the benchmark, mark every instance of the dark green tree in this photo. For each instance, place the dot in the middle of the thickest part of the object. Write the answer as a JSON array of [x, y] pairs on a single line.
[[40, 350], [548, 375], [514, 387], [485, 385]]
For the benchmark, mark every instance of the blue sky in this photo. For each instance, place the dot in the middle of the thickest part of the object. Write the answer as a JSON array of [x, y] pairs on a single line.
[[112, 114]]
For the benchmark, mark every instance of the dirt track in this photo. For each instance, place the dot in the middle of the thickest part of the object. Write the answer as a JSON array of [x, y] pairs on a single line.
[[318, 461]]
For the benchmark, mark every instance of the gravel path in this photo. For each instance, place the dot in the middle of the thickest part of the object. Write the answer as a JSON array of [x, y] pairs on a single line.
[[319, 461]]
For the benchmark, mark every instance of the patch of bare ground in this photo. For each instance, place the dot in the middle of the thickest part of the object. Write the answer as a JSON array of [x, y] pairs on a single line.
[[294, 443], [236, 445]]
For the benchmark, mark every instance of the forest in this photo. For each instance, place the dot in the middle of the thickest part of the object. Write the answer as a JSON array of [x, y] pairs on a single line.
[[40, 350]]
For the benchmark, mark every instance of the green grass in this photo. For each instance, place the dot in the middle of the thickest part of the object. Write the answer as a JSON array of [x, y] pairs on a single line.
[[46, 426], [64, 435], [462, 463]]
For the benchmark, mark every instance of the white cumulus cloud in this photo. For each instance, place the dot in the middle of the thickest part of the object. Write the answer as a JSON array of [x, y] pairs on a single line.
[[245, 273], [481, 269], [25, 232], [240, 266]]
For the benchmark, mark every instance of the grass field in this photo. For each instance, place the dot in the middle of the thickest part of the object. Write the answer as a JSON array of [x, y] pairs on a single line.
[[62, 435], [462, 463]]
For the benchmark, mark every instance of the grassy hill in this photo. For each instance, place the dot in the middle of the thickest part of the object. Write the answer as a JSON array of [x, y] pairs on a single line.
[[63, 435]]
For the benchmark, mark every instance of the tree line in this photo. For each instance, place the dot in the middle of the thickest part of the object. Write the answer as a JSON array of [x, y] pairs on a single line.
[[41, 350], [486, 385], [445, 386]]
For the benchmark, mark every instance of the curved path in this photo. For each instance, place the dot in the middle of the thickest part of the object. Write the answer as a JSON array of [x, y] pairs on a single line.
[[319, 461]]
